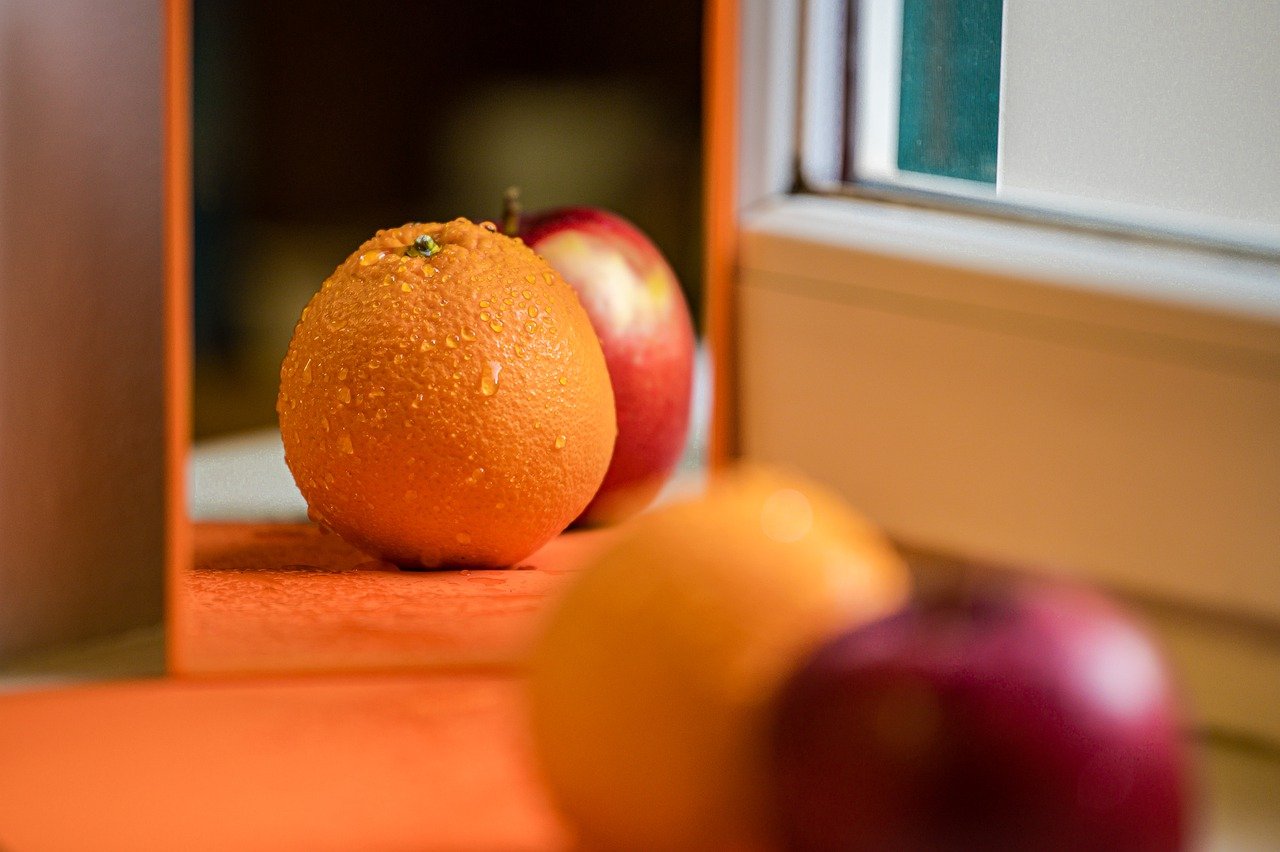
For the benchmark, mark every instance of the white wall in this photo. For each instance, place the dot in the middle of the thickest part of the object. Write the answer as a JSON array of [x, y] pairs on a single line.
[[81, 482], [1169, 104]]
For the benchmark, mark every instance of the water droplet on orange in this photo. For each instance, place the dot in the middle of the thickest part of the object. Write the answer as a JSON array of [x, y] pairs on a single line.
[[531, 327], [468, 334], [344, 444], [306, 372], [496, 325], [371, 257], [344, 394], [489, 380], [561, 440], [451, 341]]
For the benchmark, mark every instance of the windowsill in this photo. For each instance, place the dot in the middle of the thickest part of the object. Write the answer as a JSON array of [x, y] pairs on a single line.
[[1195, 296]]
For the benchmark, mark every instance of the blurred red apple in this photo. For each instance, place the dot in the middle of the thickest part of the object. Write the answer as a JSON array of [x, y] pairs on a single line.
[[1018, 715], [639, 313]]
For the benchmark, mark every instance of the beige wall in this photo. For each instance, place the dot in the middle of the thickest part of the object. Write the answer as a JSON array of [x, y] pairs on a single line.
[[1072, 416], [81, 486]]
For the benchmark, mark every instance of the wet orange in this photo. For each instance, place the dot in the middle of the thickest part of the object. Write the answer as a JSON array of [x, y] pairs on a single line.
[[444, 400]]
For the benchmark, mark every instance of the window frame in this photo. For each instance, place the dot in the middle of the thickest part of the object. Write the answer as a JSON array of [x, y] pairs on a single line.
[[817, 167], [1207, 302]]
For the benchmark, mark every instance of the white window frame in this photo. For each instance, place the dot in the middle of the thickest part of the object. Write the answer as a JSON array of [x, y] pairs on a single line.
[[823, 281], [822, 121]]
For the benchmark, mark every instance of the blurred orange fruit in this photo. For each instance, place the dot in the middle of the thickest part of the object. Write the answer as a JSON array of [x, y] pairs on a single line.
[[444, 400], [651, 682]]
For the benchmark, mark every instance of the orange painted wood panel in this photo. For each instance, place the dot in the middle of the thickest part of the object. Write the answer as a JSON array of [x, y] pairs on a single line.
[[178, 225], [287, 598], [386, 762], [720, 210]]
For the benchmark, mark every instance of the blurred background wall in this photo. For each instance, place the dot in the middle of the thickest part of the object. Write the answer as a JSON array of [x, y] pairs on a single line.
[[81, 323], [317, 125]]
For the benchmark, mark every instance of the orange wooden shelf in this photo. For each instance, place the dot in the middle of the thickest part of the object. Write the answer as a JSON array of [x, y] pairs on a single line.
[[428, 761], [404, 730], [285, 598]]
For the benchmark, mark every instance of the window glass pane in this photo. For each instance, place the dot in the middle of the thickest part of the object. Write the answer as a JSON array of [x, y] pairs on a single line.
[[948, 119]]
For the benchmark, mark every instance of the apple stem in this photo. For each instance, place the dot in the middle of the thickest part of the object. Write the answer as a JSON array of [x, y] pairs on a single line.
[[511, 211]]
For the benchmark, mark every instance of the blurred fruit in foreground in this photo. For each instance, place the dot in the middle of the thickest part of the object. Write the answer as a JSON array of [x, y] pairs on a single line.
[[650, 684], [1017, 715], [444, 400], [639, 313]]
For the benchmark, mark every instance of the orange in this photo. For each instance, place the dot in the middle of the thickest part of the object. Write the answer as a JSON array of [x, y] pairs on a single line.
[[444, 400], [651, 681]]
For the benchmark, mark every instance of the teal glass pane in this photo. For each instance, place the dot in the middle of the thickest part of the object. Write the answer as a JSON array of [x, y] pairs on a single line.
[[950, 104]]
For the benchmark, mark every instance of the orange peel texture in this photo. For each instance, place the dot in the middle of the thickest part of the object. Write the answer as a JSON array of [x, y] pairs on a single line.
[[444, 400]]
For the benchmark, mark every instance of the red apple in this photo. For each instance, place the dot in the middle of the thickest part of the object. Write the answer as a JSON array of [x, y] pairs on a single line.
[[1019, 715], [639, 313]]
